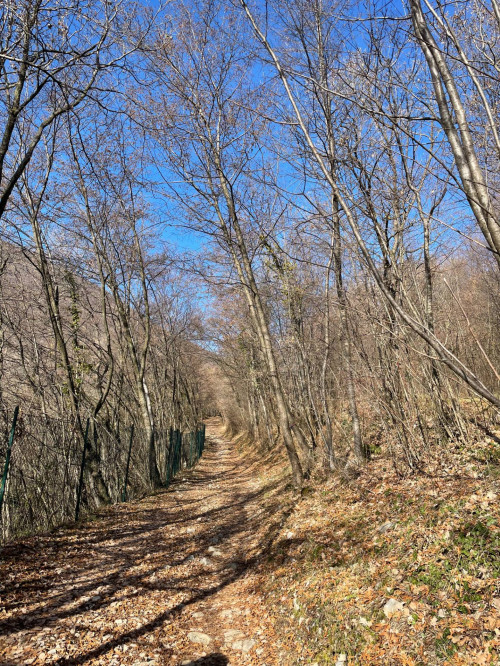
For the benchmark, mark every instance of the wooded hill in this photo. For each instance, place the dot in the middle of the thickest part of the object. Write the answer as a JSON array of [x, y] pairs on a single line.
[[283, 213], [71, 361]]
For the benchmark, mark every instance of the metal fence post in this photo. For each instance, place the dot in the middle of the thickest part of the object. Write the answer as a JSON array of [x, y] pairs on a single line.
[[191, 449], [179, 451], [168, 471], [80, 483], [174, 455], [124, 493], [7, 457]]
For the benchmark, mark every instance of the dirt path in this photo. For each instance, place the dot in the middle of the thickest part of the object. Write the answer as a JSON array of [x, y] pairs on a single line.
[[171, 579]]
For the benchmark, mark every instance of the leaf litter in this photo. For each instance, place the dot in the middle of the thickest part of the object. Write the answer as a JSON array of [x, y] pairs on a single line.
[[134, 585], [231, 567]]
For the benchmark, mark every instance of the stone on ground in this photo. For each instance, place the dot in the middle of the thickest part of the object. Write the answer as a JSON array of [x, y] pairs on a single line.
[[199, 637]]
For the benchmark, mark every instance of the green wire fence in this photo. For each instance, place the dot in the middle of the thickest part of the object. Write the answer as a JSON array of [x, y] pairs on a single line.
[[50, 476]]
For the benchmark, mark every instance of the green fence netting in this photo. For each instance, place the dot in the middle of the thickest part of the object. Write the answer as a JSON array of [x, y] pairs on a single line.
[[52, 475]]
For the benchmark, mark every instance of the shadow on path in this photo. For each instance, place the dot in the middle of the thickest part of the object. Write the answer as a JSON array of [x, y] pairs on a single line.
[[210, 660]]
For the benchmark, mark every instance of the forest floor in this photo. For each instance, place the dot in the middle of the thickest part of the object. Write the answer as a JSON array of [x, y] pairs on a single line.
[[229, 566], [170, 579], [393, 571]]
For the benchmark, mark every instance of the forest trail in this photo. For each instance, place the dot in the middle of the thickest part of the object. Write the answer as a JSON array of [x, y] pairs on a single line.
[[170, 579]]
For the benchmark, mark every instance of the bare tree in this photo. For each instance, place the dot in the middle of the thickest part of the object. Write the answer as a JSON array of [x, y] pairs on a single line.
[[446, 356], [210, 140]]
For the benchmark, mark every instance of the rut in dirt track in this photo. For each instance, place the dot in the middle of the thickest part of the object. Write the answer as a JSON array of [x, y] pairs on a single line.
[[170, 579]]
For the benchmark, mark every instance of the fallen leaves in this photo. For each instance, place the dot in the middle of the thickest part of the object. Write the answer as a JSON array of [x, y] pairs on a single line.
[[385, 571], [156, 581], [408, 575]]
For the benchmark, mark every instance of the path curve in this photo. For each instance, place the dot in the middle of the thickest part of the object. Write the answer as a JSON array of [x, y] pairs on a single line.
[[171, 579]]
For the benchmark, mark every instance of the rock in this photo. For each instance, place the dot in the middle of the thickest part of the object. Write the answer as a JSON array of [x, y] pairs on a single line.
[[215, 551], [393, 607], [232, 635], [244, 645], [341, 660], [386, 527], [205, 561], [197, 615], [199, 637], [364, 622], [190, 530]]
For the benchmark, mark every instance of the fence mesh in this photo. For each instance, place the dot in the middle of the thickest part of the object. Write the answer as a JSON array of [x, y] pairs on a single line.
[[40, 484]]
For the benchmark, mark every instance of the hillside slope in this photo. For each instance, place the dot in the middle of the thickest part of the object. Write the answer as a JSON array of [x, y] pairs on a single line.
[[388, 570]]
